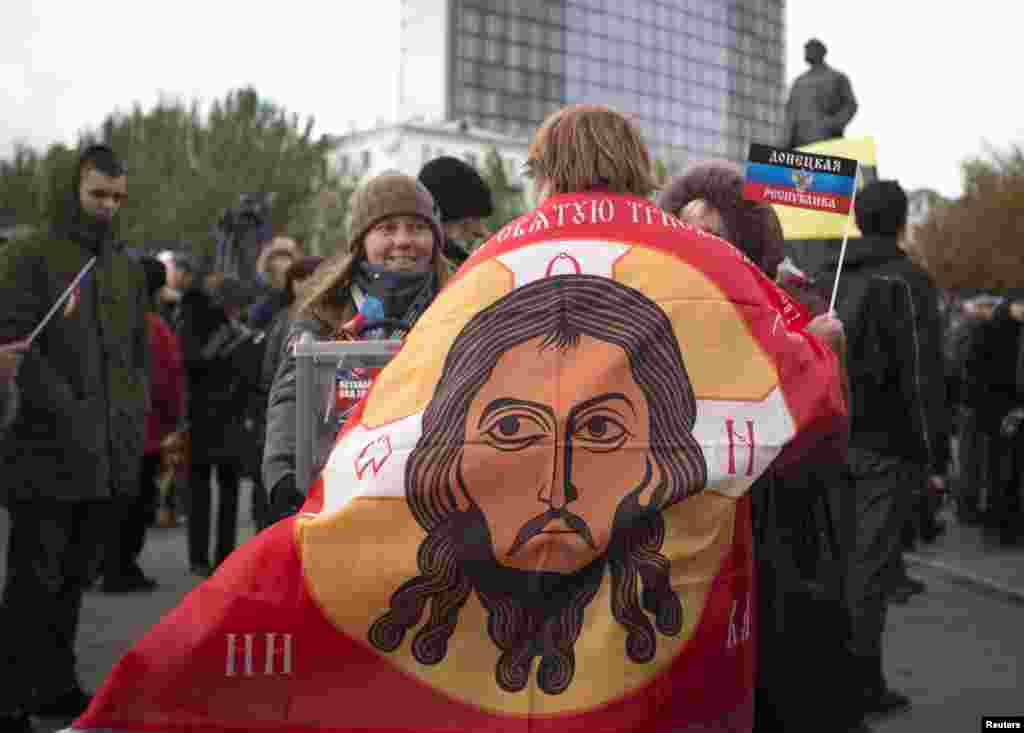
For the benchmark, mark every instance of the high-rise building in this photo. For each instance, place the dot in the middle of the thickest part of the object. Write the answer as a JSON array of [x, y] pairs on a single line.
[[703, 78]]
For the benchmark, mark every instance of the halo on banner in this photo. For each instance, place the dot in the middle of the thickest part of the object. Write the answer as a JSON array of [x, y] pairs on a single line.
[[742, 424]]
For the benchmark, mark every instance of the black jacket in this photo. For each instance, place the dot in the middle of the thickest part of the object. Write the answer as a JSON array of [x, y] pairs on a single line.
[[266, 309], [890, 311], [220, 385], [990, 369], [8, 404], [83, 385]]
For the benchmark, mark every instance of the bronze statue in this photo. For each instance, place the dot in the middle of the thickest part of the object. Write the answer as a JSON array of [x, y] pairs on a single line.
[[821, 102]]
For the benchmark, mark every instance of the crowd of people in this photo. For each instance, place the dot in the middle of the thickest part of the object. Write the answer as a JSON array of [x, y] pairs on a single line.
[[157, 370]]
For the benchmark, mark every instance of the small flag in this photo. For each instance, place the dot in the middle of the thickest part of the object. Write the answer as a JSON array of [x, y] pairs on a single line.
[[801, 179], [76, 297]]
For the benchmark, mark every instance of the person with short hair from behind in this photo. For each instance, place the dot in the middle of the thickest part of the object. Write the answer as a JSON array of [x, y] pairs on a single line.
[[77, 448], [464, 200], [900, 419]]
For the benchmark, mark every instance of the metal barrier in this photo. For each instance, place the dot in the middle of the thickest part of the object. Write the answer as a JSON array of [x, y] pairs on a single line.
[[316, 367]]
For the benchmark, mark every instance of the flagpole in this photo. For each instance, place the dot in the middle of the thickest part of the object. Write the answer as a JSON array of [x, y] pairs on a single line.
[[846, 236], [61, 300]]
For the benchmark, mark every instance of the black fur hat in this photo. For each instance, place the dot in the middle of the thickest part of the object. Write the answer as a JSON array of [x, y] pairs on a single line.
[[457, 188]]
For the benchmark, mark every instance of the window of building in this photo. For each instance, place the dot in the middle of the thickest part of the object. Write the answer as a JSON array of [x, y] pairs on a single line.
[[494, 24], [537, 59], [575, 16], [468, 99], [516, 55], [554, 34], [536, 109], [554, 86], [492, 77], [515, 31], [491, 104], [492, 50], [471, 46], [469, 20], [516, 80]]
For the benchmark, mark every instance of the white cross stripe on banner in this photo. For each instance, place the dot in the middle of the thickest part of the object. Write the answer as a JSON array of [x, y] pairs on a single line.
[[571, 257], [741, 439], [370, 463]]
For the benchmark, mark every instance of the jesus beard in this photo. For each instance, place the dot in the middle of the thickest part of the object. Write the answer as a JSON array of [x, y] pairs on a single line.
[[532, 613]]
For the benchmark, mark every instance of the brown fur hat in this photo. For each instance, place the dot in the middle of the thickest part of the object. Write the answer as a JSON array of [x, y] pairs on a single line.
[[391, 194], [751, 226]]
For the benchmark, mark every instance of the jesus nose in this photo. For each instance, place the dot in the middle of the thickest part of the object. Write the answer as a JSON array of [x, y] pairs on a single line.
[[558, 492]]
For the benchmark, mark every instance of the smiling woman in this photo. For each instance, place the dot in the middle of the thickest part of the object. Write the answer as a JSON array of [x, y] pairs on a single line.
[[401, 244], [389, 275]]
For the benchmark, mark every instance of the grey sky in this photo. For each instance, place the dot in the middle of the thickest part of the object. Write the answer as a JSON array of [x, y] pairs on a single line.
[[933, 79]]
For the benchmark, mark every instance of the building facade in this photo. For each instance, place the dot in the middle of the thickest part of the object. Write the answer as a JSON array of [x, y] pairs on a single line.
[[407, 146], [703, 78]]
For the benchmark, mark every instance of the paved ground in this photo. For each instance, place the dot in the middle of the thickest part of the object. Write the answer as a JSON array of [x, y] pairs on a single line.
[[958, 652]]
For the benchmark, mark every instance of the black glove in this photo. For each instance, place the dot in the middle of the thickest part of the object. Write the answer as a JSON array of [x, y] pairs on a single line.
[[285, 500], [1012, 422]]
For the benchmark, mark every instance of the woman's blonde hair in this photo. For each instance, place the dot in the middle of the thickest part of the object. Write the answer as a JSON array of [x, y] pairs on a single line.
[[590, 146]]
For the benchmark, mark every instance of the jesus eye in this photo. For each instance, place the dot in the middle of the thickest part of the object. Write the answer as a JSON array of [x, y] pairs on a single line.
[[514, 431], [601, 432]]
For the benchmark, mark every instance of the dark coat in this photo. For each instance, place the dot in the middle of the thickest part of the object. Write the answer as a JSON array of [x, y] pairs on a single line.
[[890, 312], [990, 369], [220, 386], [83, 384], [266, 309], [804, 535], [8, 404], [276, 335]]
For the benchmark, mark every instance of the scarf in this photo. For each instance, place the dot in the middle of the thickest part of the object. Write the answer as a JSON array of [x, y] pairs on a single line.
[[397, 298]]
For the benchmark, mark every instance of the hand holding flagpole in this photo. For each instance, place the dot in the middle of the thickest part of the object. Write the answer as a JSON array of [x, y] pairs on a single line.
[[846, 236]]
